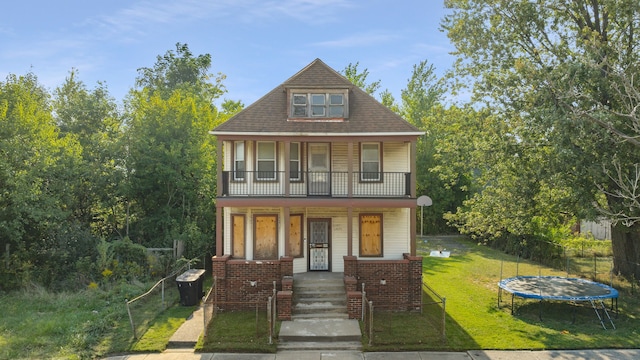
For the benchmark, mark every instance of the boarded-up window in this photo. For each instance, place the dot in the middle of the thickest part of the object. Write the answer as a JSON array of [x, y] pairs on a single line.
[[238, 236], [295, 235], [370, 234], [266, 237]]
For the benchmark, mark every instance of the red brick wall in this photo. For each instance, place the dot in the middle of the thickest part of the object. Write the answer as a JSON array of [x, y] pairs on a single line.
[[241, 284], [284, 304], [354, 304], [392, 284]]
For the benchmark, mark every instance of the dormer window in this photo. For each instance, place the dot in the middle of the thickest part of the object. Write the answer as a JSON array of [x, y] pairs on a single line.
[[319, 105]]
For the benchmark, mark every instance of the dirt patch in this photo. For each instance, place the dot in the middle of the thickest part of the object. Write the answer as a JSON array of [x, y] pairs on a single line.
[[456, 244]]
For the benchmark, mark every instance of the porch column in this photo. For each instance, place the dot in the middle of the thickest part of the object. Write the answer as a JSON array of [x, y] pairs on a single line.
[[219, 243], [219, 163], [287, 230], [350, 169], [287, 167], [350, 195], [349, 231], [414, 169], [219, 209], [285, 182]]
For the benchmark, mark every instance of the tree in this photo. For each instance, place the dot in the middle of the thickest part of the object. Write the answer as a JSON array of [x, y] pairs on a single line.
[[420, 101], [171, 157], [359, 79], [422, 93], [92, 118], [566, 69], [35, 166], [181, 70]]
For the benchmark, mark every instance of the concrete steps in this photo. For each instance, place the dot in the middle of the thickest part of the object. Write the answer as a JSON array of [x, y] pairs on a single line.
[[319, 315], [320, 334], [320, 295]]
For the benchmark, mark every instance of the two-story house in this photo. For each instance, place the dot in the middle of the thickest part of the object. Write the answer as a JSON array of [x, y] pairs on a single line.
[[317, 176]]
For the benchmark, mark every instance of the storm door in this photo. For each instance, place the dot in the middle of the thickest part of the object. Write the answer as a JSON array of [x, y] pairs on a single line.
[[319, 175], [319, 244]]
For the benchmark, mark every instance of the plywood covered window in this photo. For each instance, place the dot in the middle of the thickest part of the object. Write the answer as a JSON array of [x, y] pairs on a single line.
[[370, 235], [295, 235], [265, 236], [238, 236]]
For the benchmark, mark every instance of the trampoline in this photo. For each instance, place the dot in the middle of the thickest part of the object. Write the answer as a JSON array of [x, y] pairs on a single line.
[[561, 289]]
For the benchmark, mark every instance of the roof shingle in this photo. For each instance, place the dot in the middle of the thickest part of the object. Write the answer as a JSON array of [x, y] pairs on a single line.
[[269, 113]]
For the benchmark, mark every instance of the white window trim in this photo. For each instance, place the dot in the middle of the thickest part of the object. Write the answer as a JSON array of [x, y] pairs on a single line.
[[327, 106], [273, 159], [298, 160], [379, 162], [239, 175]]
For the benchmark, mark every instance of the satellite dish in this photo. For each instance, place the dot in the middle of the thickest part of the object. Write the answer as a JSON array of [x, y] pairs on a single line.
[[424, 200]]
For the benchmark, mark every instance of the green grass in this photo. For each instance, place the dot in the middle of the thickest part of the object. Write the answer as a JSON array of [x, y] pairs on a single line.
[[239, 331], [38, 324], [155, 339], [35, 323], [468, 280]]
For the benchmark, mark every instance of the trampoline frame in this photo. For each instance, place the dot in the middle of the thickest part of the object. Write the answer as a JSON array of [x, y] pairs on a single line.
[[597, 301]]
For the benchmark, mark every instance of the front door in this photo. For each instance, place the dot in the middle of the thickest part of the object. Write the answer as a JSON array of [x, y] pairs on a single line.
[[319, 244], [319, 179]]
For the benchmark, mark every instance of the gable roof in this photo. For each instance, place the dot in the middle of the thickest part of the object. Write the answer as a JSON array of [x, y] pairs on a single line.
[[269, 115]]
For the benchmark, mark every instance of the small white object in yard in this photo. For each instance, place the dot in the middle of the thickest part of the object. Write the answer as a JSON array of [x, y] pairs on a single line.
[[440, 253]]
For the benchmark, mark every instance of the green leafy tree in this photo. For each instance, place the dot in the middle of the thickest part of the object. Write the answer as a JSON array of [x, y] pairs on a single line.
[[420, 100], [93, 119], [424, 91], [359, 79], [566, 69], [36, 164], [171, 160]]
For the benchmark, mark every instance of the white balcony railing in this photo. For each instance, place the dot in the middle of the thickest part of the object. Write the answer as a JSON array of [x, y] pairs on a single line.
[[327, 184]]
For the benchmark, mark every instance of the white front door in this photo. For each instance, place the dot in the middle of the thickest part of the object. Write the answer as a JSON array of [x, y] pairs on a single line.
[[319, 175], [319, 250]]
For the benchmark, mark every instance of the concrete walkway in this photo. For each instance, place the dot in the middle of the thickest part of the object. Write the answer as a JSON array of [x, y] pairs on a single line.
[[632, 354], [189, 332]]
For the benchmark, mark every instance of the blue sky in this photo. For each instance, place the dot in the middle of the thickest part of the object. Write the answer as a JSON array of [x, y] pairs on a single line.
[[256, 44]]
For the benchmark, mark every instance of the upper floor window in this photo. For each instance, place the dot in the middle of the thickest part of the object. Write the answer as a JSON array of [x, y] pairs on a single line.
[[238, 160], [319, 104], [266, 160], [370, 164], [295, 173]]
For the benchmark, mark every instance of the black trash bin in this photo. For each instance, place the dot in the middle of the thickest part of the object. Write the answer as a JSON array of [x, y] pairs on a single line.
[[190, 286]]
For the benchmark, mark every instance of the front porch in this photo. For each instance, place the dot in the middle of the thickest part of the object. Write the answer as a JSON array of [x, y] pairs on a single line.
[[393, 284]]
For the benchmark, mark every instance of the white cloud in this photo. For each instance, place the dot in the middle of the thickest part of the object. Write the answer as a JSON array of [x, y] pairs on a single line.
[[306, 11], [357, 40]]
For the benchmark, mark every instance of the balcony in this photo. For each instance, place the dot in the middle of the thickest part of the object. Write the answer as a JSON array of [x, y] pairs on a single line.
[[317, 184]]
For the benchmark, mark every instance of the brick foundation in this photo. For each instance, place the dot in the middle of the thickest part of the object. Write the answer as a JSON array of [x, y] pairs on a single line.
[[284, 303], [392, 285], [241, 284]]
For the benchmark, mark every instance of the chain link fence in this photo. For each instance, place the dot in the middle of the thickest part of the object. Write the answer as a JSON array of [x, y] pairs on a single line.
[[586, 259]]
